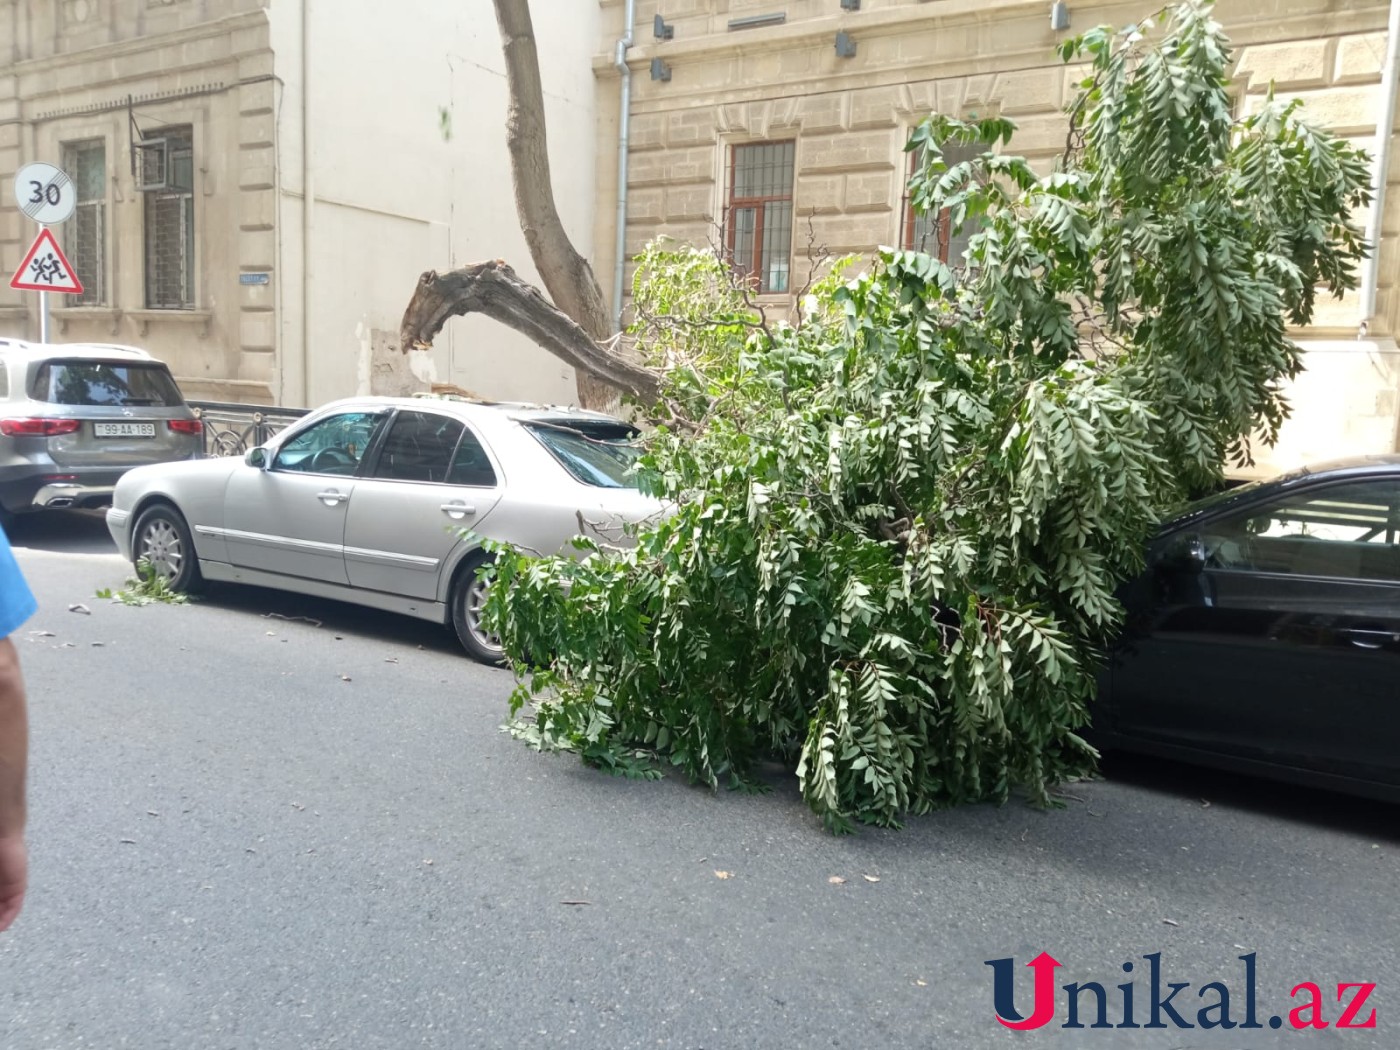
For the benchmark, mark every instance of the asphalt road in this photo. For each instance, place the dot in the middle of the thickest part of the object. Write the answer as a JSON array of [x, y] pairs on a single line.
[[250, 830]]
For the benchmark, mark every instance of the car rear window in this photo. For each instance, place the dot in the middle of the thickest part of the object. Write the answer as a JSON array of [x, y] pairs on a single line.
[[595, 452], [105, 383]]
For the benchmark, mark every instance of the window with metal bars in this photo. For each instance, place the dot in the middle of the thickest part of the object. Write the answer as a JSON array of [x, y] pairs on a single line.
[[759, 219], [86, 235], [932, 234], [170, 227]]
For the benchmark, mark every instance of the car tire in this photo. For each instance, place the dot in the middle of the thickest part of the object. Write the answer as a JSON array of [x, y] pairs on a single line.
[[468, 592], [162, 538]]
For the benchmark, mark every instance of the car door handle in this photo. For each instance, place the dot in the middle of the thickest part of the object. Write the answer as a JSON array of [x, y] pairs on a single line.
[[1371, 637], [331, 497], [457, 511]]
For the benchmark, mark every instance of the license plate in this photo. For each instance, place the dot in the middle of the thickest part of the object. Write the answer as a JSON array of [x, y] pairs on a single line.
[[124, 430]]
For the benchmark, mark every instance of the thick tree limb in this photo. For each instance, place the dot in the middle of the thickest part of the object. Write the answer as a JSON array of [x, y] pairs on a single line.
[[566, 274], [494, 289]]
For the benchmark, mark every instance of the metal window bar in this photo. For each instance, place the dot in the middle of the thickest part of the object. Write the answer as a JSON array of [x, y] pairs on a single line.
[[170, 230], [88, 249], [87, 235], [760, 213]]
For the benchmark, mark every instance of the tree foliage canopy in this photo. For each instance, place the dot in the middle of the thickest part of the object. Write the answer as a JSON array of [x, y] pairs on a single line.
[[898, 526]]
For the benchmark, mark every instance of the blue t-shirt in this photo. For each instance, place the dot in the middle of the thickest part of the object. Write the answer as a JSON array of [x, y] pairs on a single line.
[[17, 602]]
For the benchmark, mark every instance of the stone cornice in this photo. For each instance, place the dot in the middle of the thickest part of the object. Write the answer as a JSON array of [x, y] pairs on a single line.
[[120, 48], [1311, 19]]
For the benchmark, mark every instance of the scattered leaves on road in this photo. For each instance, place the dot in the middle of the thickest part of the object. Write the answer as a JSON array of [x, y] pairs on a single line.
[[871, 878], [345, 678], [724, 874], [836, 880], [129, 842], [1171, 922], [577, 903], [79, 607]]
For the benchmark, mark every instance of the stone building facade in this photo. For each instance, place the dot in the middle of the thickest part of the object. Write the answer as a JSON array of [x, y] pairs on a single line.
[[261, 185], [836, 86]]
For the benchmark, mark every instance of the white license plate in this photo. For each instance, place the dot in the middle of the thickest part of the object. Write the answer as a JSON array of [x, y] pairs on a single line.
[[124, 430]]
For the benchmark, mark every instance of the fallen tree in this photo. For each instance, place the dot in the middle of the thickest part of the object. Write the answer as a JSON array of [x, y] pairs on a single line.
[[899, 524]]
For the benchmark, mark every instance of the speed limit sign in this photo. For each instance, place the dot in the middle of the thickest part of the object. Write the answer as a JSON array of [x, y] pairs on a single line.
[[45, 193]]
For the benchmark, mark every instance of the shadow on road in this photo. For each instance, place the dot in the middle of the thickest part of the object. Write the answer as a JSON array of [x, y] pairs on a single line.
[[342, 618], [1327, 809], [63, 532]]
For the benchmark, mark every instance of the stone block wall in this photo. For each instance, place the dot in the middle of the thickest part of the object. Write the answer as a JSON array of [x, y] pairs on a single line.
[[850, 117]]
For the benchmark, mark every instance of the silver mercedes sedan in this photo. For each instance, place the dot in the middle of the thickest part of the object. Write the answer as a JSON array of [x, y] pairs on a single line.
[[383, 502]]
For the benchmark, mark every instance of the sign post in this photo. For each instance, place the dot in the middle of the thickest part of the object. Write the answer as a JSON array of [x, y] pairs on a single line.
[[47, 195]]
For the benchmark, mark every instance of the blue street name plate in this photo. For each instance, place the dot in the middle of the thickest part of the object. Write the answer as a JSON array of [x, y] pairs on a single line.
[[254, 278]]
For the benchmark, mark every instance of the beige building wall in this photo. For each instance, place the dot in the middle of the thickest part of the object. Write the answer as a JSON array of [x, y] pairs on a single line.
[[849, 119], [91, 71], [407, 172]]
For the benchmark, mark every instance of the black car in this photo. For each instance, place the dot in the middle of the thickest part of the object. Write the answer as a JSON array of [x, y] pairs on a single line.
[[1264, 635]]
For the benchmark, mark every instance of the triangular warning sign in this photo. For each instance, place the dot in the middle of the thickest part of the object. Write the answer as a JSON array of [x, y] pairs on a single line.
[[45, 269]]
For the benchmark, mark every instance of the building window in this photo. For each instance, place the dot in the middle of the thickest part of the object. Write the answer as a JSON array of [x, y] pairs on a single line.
[[760, 213], [168, 179], [86, 236], [931, 233]]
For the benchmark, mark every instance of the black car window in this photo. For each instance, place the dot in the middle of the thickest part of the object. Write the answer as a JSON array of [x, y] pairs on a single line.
[[1346, 531], [471, 465], [331, 446], [418, 447], [598, 453], [104, 383]]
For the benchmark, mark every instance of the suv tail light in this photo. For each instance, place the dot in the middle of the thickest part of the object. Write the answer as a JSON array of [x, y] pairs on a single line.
[[185, 426], [38, 427]]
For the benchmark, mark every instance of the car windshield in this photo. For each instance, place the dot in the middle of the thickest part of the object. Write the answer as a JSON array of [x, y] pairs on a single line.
[[596, 452], [104, 383]]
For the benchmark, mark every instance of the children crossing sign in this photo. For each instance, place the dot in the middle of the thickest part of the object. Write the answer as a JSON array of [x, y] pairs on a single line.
[[45, 269]]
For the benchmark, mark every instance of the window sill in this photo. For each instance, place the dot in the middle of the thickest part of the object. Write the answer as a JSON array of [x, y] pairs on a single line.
[[65, 315], [143, 319]]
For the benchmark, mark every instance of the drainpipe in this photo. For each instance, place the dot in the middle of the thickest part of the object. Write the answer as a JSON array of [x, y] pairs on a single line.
[[308, 203], [623, 127], [1370, 273]]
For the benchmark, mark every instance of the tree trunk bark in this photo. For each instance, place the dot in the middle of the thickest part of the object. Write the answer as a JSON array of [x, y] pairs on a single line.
[[566, 274], [494, 289]]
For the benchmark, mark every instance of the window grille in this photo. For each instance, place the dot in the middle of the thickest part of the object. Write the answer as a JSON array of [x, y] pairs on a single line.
[[85, 239], [170, 227], [760, 213]]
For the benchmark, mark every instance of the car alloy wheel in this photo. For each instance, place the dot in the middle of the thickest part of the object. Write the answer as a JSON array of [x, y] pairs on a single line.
[[467, 605], [163, 541]]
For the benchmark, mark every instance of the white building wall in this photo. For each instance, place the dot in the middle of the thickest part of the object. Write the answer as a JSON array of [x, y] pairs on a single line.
[[409, 173]]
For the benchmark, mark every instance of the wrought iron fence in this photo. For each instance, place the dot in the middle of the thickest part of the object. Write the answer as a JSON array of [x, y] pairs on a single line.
[[231, 429]]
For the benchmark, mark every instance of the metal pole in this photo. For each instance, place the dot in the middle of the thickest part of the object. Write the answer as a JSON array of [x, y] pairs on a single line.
[[43, 307]]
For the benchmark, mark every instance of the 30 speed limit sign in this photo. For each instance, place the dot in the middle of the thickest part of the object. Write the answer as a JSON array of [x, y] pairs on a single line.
[[45, 193]]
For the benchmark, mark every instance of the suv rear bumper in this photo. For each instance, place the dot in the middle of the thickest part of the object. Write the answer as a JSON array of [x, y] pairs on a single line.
[[51, 489]]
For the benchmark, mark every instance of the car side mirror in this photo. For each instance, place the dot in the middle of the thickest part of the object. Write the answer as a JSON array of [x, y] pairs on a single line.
[[1183, 554], [258, 457]]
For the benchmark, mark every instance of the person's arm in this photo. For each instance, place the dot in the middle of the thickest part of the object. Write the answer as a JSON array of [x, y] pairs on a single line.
[[14, 757]]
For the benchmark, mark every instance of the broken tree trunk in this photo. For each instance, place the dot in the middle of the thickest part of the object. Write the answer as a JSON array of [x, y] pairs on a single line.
[[566, 274], [494, 289]]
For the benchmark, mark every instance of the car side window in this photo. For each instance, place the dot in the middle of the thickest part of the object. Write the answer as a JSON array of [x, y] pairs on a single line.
[[1347, 531], [333, 446], [418, 447], [471, 465]]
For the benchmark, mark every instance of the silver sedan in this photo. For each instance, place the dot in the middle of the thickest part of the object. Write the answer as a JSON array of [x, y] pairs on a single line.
[[382, 502]]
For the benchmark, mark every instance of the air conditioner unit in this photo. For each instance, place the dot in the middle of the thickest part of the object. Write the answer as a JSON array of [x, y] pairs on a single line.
[[152, 165]]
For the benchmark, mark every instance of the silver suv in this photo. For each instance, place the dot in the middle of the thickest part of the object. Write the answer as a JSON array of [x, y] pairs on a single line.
[[75, 417]]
